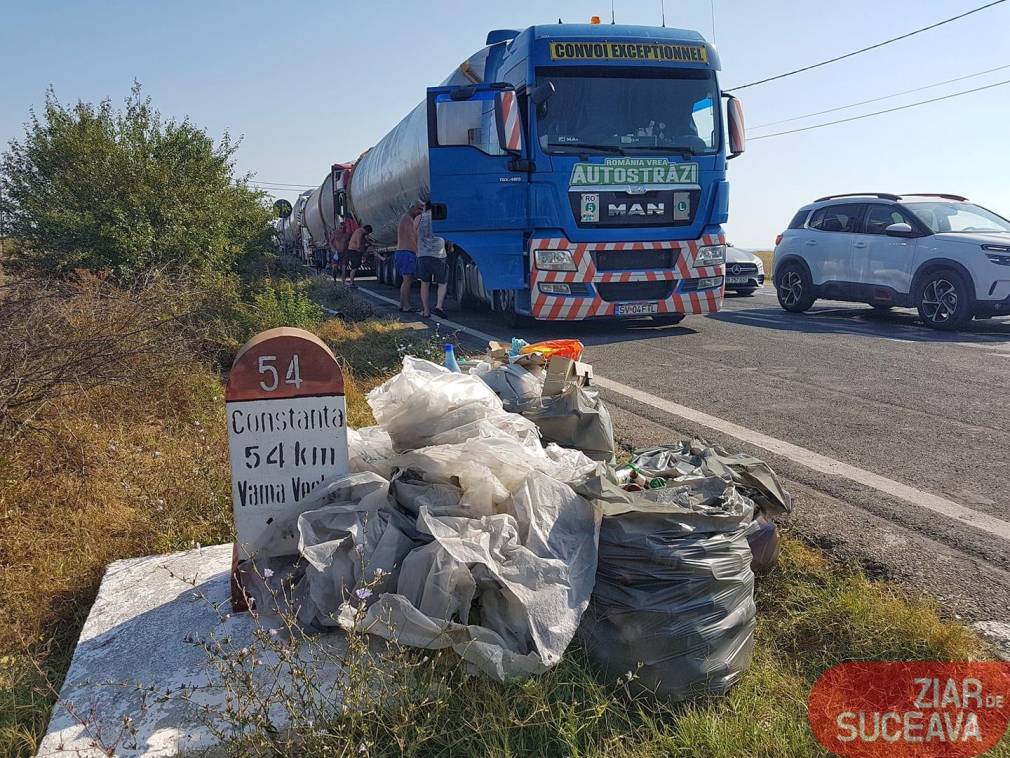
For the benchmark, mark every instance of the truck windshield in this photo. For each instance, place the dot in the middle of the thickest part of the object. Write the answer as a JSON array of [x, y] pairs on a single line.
[[625, 110], [958, 217]]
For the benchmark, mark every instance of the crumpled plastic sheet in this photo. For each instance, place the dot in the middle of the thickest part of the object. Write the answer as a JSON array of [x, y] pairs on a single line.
[[426, 404], [472, 540], [696, 458]]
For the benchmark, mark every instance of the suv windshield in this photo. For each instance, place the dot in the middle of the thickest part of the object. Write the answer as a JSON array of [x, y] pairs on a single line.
[[617, 110], [957, 217]]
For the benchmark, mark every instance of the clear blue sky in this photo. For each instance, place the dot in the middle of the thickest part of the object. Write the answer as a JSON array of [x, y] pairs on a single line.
[[310, 83]]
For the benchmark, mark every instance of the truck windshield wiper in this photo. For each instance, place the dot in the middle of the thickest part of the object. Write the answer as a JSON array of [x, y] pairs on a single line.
[[577, 145]]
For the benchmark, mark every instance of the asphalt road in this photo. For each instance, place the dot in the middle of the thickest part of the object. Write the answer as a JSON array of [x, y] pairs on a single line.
[[876, 393]]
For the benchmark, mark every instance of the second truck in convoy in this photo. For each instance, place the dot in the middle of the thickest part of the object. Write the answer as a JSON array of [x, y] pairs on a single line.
[[575, 171]]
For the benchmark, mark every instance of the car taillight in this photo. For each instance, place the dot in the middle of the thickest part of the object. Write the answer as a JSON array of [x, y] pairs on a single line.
[[778, 239]]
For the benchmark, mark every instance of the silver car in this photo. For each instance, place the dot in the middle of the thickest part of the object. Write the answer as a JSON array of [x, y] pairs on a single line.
[[744, 271]]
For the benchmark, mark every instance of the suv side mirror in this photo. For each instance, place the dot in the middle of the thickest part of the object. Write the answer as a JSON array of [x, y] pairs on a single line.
[[899, 230]]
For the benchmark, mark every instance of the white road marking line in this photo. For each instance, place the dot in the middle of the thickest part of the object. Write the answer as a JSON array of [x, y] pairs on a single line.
[[808, 458], [1001, 355]]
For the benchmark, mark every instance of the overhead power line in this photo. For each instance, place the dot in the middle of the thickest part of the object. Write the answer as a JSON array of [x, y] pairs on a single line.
[[283, 184], [866, 49], [878, 99], [878, 113]]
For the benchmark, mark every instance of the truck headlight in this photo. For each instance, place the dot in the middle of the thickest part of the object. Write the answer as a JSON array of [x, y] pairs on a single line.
[[709, 282], [710, 255], [555, 260], [555, 288]]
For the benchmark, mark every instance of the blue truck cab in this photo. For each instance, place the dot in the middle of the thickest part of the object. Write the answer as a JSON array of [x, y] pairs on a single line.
[[584, 174]]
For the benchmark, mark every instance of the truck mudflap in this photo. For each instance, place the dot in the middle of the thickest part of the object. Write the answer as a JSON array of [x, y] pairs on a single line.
[[659, 276]]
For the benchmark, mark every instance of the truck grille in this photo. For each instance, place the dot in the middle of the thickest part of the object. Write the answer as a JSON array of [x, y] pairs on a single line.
[[616, 292], [634, 260]]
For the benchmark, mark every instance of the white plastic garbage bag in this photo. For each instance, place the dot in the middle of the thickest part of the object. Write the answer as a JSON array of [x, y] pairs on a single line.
[[369, 449], [426, 404], [355, 539], [467, 536], [527, 574]]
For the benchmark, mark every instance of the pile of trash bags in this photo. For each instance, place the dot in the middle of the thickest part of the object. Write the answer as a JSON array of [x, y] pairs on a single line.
[[461, 526]]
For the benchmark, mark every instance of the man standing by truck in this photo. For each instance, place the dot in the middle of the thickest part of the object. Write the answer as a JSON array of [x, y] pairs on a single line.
[[338, 249], [356, 251], [432, 267], [405, 259]]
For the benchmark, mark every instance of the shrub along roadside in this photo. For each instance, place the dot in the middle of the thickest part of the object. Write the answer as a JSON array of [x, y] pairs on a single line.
[[124, 191]]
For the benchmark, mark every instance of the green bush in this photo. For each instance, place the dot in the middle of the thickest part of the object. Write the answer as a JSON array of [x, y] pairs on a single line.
[[123, 192], [281, 303]]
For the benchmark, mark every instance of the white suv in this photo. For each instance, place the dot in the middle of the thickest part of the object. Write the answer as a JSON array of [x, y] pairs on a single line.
[[938, 253]]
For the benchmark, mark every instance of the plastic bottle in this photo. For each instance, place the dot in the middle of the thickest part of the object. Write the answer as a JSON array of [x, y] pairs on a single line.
[[450, 361]]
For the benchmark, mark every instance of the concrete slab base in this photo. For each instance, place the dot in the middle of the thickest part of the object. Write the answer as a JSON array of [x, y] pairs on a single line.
[[137, 645]]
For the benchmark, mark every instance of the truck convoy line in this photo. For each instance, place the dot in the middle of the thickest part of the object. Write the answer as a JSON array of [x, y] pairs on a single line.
[[575, 171]]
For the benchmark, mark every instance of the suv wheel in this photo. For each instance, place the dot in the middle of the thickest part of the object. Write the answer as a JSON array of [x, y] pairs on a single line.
[[944, 300], [794, 288]]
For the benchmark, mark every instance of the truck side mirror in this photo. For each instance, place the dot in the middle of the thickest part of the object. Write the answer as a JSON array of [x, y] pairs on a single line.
[[508, 121], [735, 122]]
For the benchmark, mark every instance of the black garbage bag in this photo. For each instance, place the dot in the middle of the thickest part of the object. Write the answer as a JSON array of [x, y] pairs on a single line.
[[674, 598]]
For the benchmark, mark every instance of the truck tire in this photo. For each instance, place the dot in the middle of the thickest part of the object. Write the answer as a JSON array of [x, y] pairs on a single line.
[[944, 299], [794, 289], [461, 294], [505, 303]]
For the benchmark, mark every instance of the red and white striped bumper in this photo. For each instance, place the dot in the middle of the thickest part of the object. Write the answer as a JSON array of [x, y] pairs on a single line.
[[575, 308]]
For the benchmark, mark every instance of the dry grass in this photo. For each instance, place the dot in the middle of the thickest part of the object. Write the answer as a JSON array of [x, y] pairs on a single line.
[[766, 259], [114, 470]]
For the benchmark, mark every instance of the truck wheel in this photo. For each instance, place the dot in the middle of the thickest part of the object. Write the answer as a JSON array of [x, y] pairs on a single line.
[[505, 302], [794, 288], [944, 300], [459, 293]]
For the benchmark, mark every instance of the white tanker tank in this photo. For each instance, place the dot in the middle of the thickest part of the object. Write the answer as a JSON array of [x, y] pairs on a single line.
[[391, 176], [296, 221], [319, 218]]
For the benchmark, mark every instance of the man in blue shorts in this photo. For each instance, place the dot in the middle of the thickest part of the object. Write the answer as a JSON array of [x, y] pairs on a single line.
[[405, 259]]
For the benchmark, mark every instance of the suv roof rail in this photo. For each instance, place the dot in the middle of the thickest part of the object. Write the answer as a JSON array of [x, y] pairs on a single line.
[[881, 195], [935, 194]]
